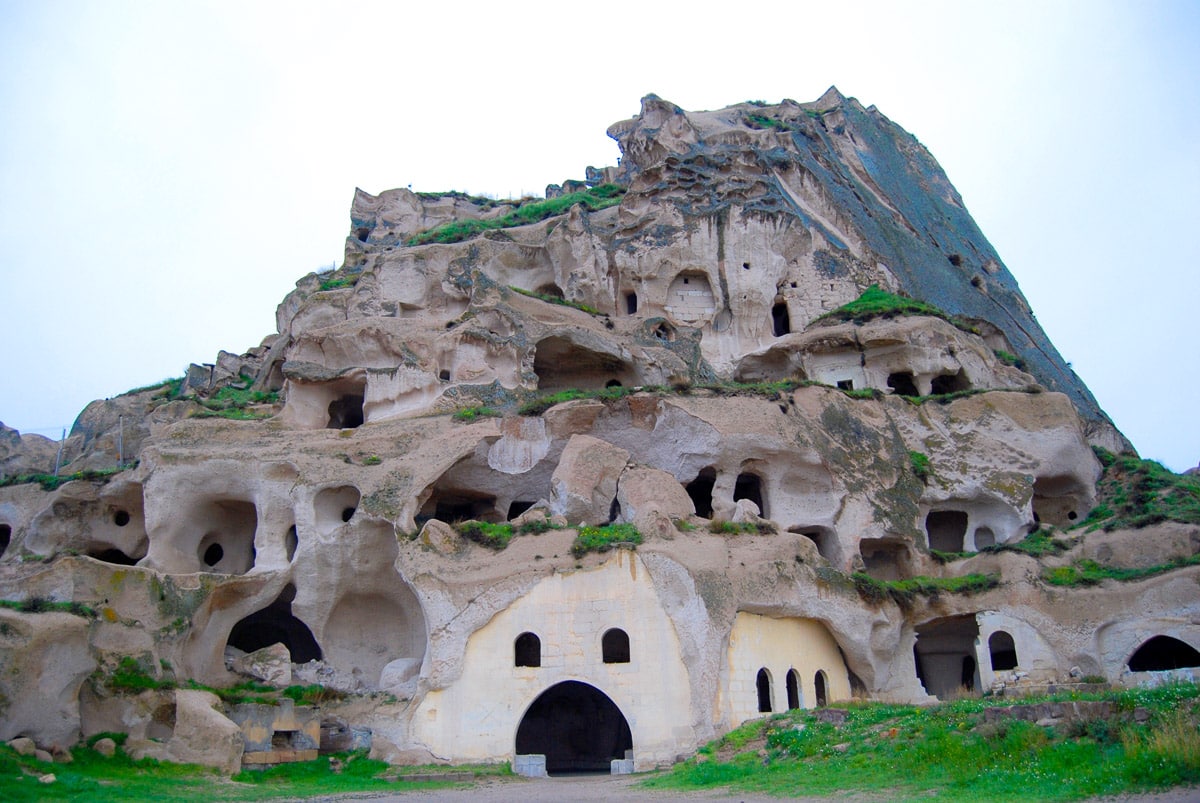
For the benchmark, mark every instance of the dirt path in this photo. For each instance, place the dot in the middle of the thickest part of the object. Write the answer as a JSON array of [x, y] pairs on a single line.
[[587, 788]]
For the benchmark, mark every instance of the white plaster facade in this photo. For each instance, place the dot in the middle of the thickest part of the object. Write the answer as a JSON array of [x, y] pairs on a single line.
[[477, 716]]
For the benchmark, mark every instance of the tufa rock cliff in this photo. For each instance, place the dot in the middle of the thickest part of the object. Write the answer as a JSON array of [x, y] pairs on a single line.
[[755, 420]]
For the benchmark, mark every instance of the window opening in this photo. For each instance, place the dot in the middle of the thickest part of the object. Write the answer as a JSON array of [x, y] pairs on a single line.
[[821, 690], [528, 650], [121, 518], [780, 321], [615, 646], [903, 384], [793, 689], [763, 685], [1162, 653], [630, 303], [749, 486], [1003, 651], [700, 490]]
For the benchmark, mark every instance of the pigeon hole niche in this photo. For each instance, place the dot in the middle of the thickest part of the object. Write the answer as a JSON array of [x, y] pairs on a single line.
[[368, 630], [944, 654], [886, 558], [333, 507], [117, 531], [336, 404], [227, 542]]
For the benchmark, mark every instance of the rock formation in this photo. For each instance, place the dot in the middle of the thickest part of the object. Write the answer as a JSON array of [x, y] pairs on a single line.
[[756, 420]]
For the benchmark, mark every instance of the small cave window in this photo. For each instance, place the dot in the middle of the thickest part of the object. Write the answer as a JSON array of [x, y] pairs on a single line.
[[212, 555], [902, 383], [745, 266], [631, 303], [275, 624], [845, 384], [550, 289], [1003, 651], [346, 412], [1163, 653], [121, 518], [665, 332], [290, 542], [949, 383], [946, 529], [348, 513], [749, 486], [762, 684], [527, 650], [516, 508], [780, 320], [614, 646], [613, 383], [362, 234], [444, 375], [955, 260], [820, 684], [701, 489], [793, 689], [5, 537]]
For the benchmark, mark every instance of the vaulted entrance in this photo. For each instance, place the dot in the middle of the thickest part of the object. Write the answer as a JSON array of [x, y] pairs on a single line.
[[577, 727]]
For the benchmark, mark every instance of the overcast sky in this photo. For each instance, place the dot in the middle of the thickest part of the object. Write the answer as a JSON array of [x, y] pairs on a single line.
[[168, 170]]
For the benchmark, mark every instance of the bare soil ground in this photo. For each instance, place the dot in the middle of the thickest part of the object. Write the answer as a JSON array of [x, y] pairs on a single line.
[[624, 788]]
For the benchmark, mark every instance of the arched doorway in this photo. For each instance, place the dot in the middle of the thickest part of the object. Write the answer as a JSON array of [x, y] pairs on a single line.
[[577, 727]]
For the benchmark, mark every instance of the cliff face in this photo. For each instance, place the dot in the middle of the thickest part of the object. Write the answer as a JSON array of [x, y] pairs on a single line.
[[652, 444]]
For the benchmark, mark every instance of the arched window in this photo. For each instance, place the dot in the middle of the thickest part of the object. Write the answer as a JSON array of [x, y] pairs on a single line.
[[615, 646], [1003, 651], [793, 689], [763, 684], [528, 650], [822, 693]]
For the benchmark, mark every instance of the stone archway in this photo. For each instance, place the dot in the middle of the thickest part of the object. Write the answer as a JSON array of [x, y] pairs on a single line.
[[577, 727]]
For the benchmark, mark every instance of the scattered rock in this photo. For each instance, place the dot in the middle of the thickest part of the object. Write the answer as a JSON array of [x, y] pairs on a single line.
[[105, 747]]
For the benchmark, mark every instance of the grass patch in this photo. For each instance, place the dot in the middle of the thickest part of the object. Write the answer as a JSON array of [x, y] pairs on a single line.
[[760, 122], [1134, 493], [906, 752], [338, 283], [234, 402], [592, 199], [1008, 358], [905, 592], [43, 605], [920, 465], [166, 389], [1090, 573], [771, 391], [877, 303], [1039, 544], [470, 415], [551, 299], [604, 538], [50, 482], [492, 536], [742, 528]]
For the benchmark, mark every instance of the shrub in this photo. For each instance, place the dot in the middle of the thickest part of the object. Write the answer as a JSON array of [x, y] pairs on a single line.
[[493, 536], [338, 283], [920, 465], [472, 414], [604, 538], [720, 527]]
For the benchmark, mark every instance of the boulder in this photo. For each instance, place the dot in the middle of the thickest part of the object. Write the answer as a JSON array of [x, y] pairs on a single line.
[[272, 665], [644, 490], [584, 484], [105, 747], [203, 734]]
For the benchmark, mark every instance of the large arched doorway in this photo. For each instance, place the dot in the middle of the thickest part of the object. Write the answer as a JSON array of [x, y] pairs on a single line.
[[577, 727]]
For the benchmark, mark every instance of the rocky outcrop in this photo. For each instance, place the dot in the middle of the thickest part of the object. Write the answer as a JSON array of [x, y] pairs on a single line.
[[674, 354]]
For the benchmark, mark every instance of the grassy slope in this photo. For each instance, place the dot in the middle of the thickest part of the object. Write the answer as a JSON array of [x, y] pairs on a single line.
[[905, 752]]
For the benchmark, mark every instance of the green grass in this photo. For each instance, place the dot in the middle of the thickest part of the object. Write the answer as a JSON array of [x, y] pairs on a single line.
[[234, 402], [470, 415], [947, 752], [551, 299], [877, 303], [592, 199], [920, 465], [50, 482], [1008, 358], [338, 283], [1089, 572], [1039, 544], [760, 121], [43, 605], [772, 391], [904, 592], [167, 388], [604, 538], [742, 528], [493, 536], [92, 777], [1134, 493]]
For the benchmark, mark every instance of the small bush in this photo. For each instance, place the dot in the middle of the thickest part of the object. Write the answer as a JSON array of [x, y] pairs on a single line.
[[604, 538], [471, 414], [920, 465], [338, 283], [493, 536], [314, 694], [130, 676], [721, 527], [1009, 359]]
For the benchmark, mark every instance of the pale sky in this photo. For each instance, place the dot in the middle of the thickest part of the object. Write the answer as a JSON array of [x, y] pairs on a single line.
[[168, 170]]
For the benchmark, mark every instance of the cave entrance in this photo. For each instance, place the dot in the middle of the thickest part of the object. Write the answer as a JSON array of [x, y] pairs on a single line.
[[275, 624], [945, 655], [949, 383], [780, 322], [1163, 653], [946, 530], [701, 491], [346, 412], [577, 727], [903, 384], [749, 486]]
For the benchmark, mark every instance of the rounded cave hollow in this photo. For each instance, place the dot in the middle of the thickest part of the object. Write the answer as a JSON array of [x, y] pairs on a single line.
[[577, 727]]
